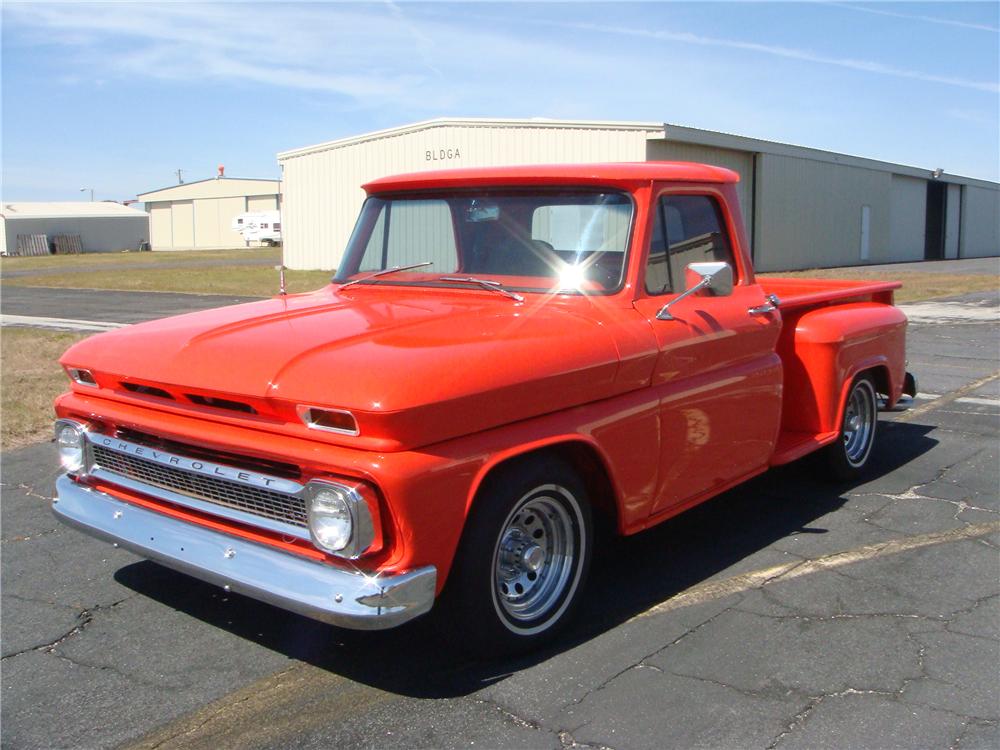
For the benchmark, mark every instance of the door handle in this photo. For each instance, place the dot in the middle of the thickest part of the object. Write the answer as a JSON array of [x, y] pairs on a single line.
[[771, 304]]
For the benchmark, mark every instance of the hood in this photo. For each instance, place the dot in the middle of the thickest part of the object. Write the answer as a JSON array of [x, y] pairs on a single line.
[[414, 367]]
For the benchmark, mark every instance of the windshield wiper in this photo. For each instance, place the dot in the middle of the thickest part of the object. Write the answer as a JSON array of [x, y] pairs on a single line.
[[493, 286], [386, 271]]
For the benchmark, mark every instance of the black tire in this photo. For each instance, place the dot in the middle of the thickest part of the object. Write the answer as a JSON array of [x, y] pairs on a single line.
[[523, 559], [847, 457]]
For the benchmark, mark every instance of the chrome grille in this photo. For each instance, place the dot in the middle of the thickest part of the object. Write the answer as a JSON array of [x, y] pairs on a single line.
[[259, 501]]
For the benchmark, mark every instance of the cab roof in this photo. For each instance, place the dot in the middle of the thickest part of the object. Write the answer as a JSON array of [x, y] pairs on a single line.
[[611, 174]]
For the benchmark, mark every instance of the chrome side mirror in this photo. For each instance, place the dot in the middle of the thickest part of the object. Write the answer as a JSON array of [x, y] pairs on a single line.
[[717, 278]]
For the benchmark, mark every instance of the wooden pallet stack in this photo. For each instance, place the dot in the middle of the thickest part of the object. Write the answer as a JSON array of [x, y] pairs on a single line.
[[68, 244], [32, 244]]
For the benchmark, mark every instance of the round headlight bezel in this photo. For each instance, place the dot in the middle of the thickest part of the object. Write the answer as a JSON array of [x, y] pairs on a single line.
[[326, 503], [71, 442]]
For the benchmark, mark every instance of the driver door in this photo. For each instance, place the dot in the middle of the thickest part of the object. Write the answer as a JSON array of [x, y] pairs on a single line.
[[717, 374]]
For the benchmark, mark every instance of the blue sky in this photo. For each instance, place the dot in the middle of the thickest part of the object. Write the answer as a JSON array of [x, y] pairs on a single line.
[[116, 96]]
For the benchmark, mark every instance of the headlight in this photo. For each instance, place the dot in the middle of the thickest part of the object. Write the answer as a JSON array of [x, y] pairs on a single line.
[[330, 519], [339, 519], [71, 440]]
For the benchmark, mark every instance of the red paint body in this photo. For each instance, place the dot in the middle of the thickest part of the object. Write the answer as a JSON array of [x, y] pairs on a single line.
[[447, 383]]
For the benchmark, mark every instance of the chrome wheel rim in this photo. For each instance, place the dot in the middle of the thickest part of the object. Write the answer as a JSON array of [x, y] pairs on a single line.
[[535, 554], [859, 423]]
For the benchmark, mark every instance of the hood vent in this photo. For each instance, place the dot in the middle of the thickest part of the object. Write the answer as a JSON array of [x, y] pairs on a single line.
[[220, 403], [147, 390]]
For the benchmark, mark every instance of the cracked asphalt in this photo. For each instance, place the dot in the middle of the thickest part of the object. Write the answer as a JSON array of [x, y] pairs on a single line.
[[786, 613]]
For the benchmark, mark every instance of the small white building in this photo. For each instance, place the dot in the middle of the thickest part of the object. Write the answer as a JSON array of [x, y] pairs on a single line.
[[102, 226], [199, 215], [802, 207]]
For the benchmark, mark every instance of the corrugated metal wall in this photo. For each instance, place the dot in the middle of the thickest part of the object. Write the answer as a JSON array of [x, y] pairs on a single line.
[[97, 234], [262, 203], [740, 162], [809, 213], [321, 190], [980, 234], [907, 217], [182, 224], [203, 224], [953, 221]]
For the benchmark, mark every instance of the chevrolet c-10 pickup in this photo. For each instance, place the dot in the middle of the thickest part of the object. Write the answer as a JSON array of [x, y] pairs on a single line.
[[506, 360]]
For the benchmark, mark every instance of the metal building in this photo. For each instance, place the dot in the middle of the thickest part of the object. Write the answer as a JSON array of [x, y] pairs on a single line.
[[101, 225], [199, 215], [803, 208]]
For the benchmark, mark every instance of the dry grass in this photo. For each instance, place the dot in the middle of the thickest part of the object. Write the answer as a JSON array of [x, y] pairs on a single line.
[[245, 281], [917, 285], [30, 378], [269, 254]]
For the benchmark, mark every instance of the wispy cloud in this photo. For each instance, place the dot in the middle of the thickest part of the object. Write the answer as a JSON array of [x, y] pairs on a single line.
[[371, 55], [793, 53], [916, 17]]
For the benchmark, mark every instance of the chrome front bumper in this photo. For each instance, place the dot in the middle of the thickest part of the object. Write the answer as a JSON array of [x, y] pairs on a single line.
[[316, 590]]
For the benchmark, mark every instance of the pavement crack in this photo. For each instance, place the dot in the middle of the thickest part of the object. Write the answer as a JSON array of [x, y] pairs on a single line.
[[83, 618], [568, 741], [641, 662], [796, 721], [956, 744], [29, 490], [510, 715]]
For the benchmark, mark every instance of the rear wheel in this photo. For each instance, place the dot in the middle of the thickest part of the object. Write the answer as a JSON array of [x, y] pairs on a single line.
[[523, 559], [846, 458]]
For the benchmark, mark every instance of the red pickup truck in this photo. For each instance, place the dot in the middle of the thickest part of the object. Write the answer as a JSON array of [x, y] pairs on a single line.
[[506, 360]]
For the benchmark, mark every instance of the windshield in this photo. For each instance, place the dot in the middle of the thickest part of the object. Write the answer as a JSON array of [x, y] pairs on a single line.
[[527, 240]]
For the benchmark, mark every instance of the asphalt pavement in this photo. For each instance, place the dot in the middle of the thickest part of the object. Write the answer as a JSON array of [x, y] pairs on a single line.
[[105, 306], [786, 613]]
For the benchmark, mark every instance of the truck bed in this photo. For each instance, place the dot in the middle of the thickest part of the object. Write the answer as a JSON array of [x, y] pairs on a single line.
[[798, 297], [796, 292]]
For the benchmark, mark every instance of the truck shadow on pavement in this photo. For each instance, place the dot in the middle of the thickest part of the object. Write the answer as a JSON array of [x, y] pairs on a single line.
[[628, 576]]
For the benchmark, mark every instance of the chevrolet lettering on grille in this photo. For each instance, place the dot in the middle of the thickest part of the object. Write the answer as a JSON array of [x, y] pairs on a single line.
[[201, 467]]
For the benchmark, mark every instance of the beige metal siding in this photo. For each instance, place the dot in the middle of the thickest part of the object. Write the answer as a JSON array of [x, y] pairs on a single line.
[[809, 213], [182, 224], [740, 162], [321, 189], [907, 218], [229, 209], [980, 234], [206, 224], [262, 203], [227, 187], [161, 233], [953, 221]]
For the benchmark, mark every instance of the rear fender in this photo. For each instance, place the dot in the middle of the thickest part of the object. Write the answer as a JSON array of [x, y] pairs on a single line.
[[832, 345]]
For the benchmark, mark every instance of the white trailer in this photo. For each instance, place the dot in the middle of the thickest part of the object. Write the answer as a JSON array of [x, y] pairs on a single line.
[[259, 226]]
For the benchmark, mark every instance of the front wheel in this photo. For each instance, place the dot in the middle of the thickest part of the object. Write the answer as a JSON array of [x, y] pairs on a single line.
[[846, 458], [523, 559]]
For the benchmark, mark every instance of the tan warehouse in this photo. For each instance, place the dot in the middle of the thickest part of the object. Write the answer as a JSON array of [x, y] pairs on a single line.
[[199, 215], [803, 208]]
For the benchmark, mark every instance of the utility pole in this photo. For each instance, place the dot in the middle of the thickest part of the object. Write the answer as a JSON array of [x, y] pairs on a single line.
[[180, 176]]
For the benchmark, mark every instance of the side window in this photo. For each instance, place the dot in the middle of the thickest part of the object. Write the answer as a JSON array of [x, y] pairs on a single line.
[[412, 231], [687, 229]]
